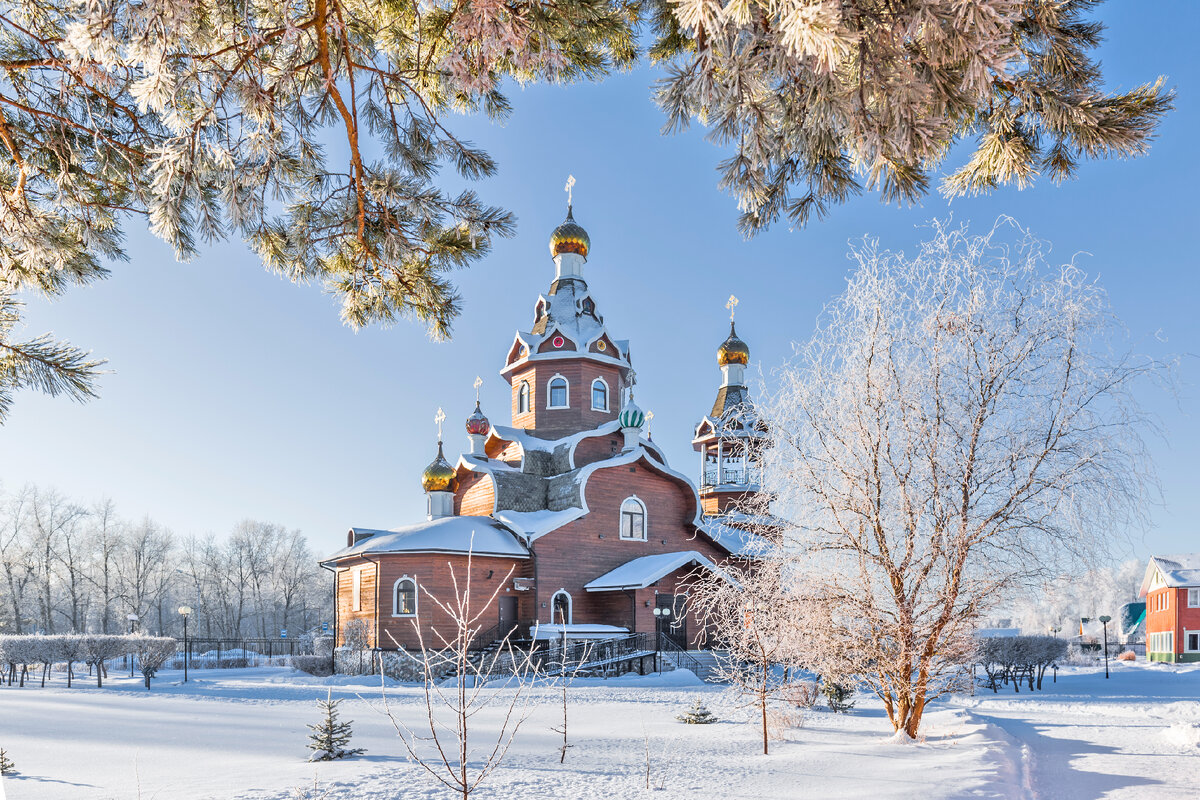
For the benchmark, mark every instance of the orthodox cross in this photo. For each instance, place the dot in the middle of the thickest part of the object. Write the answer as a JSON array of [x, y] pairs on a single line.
[[478, 383], [568, 187], [649, 421], [732, 306], [439, 418]]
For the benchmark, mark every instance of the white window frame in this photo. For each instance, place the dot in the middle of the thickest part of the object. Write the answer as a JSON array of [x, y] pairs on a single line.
[[356, 589], [1186, 634], [1194, 598], [550, 391], [523, 398], [570, 607], [645, 521], [396, 595], [607, 394]]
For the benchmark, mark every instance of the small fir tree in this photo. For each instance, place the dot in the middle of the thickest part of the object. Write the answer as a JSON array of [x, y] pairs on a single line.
[[837, 696], [698, 714], [329, 738], [7, 767]]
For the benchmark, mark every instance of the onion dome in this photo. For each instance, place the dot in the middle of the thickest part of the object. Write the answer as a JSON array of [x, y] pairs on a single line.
[[569, 237], [631, 416], [477, 423], [439, 476], [733, 350]]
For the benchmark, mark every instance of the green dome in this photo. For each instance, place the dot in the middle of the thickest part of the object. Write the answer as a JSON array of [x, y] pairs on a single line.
[[569, 237], [631, 416]]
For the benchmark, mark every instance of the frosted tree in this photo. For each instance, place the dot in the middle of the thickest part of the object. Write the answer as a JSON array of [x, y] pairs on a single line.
[[453, 649], [7, 767], [316, 130], [330, 736], [151, 653], [770, 625], [820, 99], [961, 425]]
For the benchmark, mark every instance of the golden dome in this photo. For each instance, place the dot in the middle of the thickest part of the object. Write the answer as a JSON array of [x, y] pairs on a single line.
[[439, 476], [569, 237], [733, 350]]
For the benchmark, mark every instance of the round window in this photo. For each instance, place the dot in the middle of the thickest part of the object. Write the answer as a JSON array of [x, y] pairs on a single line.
[[600, 345], [559, 341]]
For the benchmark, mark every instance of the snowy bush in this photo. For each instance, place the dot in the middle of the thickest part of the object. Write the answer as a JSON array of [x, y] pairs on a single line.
[[1128, 655], [320, 666], [100, 647], [1018, 659], [151, 653], [323, 646], [356, 635]]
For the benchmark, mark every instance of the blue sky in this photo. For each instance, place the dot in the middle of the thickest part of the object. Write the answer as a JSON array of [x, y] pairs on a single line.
[[236, 394]]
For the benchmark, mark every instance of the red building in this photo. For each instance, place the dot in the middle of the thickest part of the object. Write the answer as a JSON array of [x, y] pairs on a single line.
[[1172, 591], [570, 512]]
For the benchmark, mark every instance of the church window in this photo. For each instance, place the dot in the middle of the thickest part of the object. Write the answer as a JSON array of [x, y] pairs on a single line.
[[558, 392], [523, 398], [599, 395], [633, 520], [560, 606], [404, 597]]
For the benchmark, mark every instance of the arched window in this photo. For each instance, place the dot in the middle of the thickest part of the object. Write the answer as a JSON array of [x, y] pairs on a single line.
[[523, 398], [599, 395], [633, 520], [558, 392], [404, 597], [560, 607]]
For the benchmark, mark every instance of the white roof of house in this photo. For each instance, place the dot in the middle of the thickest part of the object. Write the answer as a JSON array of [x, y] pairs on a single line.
[[1176, 570], [481, 536], [641, 572]]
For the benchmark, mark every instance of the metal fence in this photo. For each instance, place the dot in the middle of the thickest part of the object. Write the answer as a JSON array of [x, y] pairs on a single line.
[[203, 653]]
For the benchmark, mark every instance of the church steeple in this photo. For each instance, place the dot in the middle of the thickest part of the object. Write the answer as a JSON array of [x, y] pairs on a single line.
[[730, 437], [568, 374]]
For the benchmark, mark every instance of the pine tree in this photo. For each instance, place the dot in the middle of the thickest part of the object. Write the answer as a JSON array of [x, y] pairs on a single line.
[[837, 696], [698, 714], [7, 767], [329, 738]]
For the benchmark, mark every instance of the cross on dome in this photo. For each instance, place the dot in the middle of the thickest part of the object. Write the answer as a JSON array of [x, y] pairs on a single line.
[[570, 185], [439, 418], [477, 384], [732, 306]]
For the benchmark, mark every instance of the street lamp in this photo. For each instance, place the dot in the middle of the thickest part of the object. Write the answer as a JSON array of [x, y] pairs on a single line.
[[185, 612], [133, 621], [660, 615], [1106, 620], [1054, 630]]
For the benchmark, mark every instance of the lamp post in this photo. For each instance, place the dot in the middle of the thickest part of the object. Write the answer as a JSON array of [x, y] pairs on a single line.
[[1054, 630], [185, 612], [1106, 620], [133, 621], [660, 615]]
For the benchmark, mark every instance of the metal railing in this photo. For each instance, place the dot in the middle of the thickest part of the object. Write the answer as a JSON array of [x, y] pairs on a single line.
[[242, 652], [679, 655], [735, 476]]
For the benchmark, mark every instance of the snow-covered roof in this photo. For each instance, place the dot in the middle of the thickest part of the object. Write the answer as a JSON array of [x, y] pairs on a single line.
[[578, 631], [641, 572], [1175, 570], [481, 536], [533, 524], [738, 541]]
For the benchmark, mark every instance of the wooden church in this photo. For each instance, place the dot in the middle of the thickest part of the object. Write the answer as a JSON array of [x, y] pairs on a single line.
[[571, 512]]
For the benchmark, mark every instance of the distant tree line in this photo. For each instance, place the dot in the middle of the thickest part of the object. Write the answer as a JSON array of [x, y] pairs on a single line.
[[70, 567]]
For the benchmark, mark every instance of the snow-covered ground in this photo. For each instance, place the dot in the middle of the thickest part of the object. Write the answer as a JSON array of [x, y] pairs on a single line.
[[241, 733]]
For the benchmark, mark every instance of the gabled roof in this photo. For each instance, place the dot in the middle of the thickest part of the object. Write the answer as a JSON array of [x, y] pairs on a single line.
[[641, 572], [1176, 571], [480, 536]]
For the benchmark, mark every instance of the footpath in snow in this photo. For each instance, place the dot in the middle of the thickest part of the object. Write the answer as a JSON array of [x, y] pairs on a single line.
[[241, 734]]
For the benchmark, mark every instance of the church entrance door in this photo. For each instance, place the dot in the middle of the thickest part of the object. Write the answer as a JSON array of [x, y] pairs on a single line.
[[674, 625], [508, 615]]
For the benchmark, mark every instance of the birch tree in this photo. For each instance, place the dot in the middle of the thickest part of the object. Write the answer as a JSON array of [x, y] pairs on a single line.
[[961, 423]]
